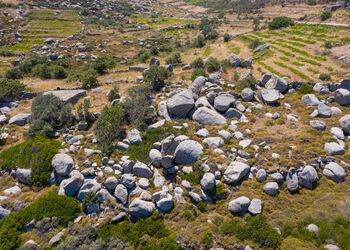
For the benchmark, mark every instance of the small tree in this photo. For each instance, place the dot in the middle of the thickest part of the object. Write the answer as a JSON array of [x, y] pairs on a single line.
[[83, 110], [42, 71], [113, 94], [212, 65], [199, 42], [49, 113], [280, 22], [89, 79], [14, 74], [227, 38], [58, 72], [108, 127], [156, 76], [10, 88], [101, 65], [197, 63], [326, 14], [174, 58]]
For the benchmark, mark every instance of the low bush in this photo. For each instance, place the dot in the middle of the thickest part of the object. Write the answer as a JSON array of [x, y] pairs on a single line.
[[305, 89], [197, 72], [326, 14], [27, 66], [49, 114], [199, 42], [113, 94], [101, 65], [197, 63], [89, 79], [255, 43], [246, 83], [156, 76], [255, 229], [108, 127], [143, 55], [153, 227], [325, 77], [14, 74], [58, 72], [227, 38], [42, 71], [280, 22], [10, 88], [174, 59], [35, 154], [212, 65], [50, 205]]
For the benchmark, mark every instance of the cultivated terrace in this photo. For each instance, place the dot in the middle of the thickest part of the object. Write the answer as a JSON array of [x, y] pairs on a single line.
[[174, 124]]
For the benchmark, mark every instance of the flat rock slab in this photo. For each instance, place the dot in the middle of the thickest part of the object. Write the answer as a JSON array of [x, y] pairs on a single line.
[[68, 96]]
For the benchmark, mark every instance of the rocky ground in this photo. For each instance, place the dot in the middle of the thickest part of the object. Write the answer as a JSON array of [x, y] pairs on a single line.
[[256, 162]]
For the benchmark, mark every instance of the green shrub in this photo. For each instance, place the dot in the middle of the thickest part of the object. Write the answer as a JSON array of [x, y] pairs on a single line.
[[14, 74], [212, 65], [35, 154], [255, 43], [89, 79], [246, 83], [108, 127], [197, 72], [328, 44], [326, 14], [311, 2], [305, 89], [153, 227], [51, 205], [154, 51], [27, 66], [143, 55], [255, 229], [174, 58], [10, 88], [280, 22], [199, 42], [193, 177], [113, 94], [227, 38], [49, 113], [197, 63], [165, 48], [58, 72], [156, 76], [101, 65], [207, 239], [6, 53], [42, 71], [325, 77]]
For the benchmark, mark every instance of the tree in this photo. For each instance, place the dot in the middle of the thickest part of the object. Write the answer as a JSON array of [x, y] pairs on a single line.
[[49, 113], [58, 72], [10, 88], [280, 22], [42, 71], [156, 76], [14, 74], [108, 127], [89, 79]]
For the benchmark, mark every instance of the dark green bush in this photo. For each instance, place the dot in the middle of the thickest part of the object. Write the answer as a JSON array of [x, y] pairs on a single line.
[[197, 63], [27, 66], [197, 72], [325, 77], [143, 55], [101, 65], [49, 113], [305, 89], [51, 205], [6, 53], [199, 42], [108, 127], [246, 83], [113, 94], [326, 14], [10, 88], [89, 79], [36, 154], [174, 58], [255, 229], [280, 22], [14, 74], [42, 71], [153, 227], [227, 38], [154, 51], [156, 76], [212, 65], [58, 72]]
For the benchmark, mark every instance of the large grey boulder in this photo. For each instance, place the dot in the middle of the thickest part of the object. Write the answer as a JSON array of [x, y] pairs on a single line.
[[180, 104], [239, 205], [155, 157], [128, 180], [72, 185], [208, 182], [261, 175], [334, 172], [134, 137], [234, 60], [121, 193], [247, 94], [188, 152], [165, 204], [277, 83], [333, 148], [20, 119], [23, 175], [141, 209], [270, 96], [342, 96], [68, 96], [292, 181], [214, 142], [324, 110], [345, 123], [308, 177], [62, 164], [140, 169], [318, 125], [271, 188], [255, 207], [206, 116], [310, 99], [111, 182], [235, 172], [223, 102], [3, 213], [89, 186]]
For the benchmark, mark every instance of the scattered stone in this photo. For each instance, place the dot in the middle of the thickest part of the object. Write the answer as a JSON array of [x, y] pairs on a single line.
[[188, 152], [239, 205], [334, 172], [235, 172], [271, 188]]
